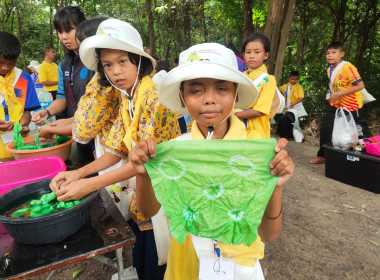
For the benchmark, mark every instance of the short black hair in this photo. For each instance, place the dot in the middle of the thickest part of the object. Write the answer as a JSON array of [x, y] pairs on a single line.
[[45, 49], [335, 45], [294, 74], [68, 18], [232, 47], [10, 47], [176, 60], [257, 37], [162, 65], [146, 66], [88, 27]]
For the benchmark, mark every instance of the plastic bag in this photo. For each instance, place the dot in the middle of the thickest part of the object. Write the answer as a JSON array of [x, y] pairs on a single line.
[[297, 132], [345, 133]]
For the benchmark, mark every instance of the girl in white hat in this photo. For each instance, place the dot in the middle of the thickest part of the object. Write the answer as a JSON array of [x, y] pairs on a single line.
[[116, 51], [207, 85]]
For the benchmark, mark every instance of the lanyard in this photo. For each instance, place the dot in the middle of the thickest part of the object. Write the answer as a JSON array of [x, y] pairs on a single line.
[[332, 70], [288, 90], [71, 83]]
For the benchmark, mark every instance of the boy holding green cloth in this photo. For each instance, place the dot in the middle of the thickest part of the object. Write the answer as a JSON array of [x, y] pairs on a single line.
[[207, 85]]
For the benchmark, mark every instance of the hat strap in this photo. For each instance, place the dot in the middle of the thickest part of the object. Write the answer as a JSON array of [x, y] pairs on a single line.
[[130, 100], [124, 92]]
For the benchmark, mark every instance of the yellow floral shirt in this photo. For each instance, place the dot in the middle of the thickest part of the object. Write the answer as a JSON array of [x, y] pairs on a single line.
[[97, 111], [153, 120]]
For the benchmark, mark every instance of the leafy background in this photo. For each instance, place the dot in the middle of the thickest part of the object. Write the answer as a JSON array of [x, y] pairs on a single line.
[[178, 24]]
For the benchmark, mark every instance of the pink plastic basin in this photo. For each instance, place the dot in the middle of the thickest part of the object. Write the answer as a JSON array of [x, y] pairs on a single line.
[[20, 172], [371, 148]]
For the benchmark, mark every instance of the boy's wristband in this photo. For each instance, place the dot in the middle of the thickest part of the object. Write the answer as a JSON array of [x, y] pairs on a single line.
[[274, 218], [48, 113]]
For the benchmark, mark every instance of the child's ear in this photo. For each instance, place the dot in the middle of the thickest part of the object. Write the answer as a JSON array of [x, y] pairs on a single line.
[[341, 54], [181, 97], [266, 56]]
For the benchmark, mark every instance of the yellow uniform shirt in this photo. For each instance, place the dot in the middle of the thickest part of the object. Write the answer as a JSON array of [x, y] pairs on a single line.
[[267, 89], [48, 72], [346, 77], [296, 92], [151, 119], [182, 260]]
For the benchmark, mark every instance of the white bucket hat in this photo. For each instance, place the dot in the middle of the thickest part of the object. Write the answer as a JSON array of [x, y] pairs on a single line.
[[35, 64], [112, 34], [208, 60]]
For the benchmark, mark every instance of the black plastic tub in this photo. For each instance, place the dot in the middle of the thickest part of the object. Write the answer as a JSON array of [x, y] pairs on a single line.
[[44, 229]]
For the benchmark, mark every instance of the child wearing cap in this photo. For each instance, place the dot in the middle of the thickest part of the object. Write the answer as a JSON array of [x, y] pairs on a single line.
[[207, 85], [34, 67], [116, 51]]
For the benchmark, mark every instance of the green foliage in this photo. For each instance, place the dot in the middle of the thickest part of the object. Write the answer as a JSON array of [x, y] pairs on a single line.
[[221, 21], [311, 32]]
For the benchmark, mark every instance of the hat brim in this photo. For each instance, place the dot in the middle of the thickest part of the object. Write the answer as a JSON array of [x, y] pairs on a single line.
[[169, 88], [102, 41]]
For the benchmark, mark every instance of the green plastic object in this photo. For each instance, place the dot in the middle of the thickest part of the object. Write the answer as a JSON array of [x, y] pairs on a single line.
[[19, 144], [61, 139], [18, 140], [216, 189], [37, 140], [45, 205]]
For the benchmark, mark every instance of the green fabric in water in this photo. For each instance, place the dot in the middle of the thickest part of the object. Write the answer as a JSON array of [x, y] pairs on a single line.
[[19, 144], [216, 189], [45, 205]]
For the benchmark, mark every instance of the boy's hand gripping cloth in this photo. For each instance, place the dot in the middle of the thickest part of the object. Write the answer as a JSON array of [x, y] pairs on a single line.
[[216, 189]]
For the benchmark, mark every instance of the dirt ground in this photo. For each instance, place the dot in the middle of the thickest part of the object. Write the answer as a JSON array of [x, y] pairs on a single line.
[[330, 231]]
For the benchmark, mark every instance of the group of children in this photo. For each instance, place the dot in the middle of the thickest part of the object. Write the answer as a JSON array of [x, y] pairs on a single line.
[[106, 89]]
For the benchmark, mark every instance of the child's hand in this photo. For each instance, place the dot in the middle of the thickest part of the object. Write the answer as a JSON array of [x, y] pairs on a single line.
[[141, 153], [25, 129], [74, 191], [62, 179], [44, 132], [334, 96], [40, 117], [6, 125], [282, 165]]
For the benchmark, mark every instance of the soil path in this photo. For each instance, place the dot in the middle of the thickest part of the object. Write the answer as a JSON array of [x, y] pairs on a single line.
[[331, 230]]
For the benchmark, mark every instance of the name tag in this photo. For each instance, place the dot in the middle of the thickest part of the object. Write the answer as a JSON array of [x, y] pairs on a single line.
[[216, 269], [7, 137]]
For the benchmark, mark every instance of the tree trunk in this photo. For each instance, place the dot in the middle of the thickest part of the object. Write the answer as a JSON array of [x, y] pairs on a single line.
[[340, 24], [186, 24], [202, 20], [364, 34], [248, 24], [152, 40], [277, 26], [51, 25], [19, 31]]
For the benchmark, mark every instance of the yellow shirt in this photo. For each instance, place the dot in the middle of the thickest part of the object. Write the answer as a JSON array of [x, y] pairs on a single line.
[[344, 79], [182, 260], [97, 111], [260, 126], [296, 92], [152, 119], [48, 72]]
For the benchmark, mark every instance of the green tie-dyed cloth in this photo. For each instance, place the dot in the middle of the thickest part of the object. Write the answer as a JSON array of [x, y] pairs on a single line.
[[216, 189]]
